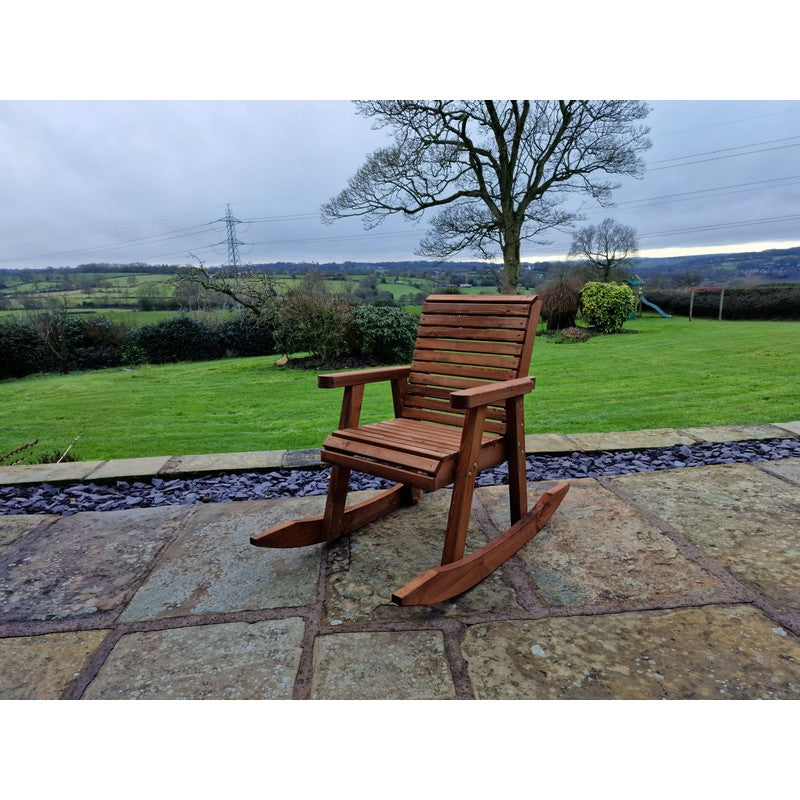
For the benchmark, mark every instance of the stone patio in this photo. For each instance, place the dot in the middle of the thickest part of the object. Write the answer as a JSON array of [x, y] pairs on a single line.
[[674, 584]]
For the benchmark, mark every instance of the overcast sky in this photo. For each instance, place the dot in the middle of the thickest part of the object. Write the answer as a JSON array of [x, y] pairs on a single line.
[[80, 179]]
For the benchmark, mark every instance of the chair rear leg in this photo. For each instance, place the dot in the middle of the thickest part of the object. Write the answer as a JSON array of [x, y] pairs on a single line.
[[335, 502]]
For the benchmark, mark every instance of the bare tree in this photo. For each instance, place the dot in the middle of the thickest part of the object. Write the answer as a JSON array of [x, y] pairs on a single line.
[[496, 173], [254, 290], [607, 247], [51, 326]]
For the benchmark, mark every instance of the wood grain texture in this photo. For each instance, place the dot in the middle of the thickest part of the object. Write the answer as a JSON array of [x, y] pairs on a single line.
[[446, 581]]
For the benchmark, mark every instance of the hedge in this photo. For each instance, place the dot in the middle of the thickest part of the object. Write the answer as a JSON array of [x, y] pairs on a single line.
[[770, 301]]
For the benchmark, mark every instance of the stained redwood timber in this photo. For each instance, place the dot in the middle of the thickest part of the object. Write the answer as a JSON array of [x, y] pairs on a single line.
[[307, 531], [458, 409], [445, 582], [456, 331]]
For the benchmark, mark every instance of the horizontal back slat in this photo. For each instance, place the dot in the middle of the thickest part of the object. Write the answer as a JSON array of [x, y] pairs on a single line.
[[499, 309], [481, 373], [470, 359], [473, 321], [469, 334], [466, 341], [469, 346], [450, 419]]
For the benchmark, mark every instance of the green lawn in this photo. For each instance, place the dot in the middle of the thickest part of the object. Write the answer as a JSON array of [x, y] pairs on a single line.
[[671, 373]]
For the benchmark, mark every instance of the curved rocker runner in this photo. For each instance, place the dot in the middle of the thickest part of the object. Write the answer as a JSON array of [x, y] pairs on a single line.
[[458, 410]]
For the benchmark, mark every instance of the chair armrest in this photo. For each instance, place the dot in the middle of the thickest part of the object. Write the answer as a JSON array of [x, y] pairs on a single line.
[[338, 379], [491, 393]]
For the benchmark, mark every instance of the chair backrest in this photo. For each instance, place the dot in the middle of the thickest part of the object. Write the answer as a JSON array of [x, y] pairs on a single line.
[[465, 341]]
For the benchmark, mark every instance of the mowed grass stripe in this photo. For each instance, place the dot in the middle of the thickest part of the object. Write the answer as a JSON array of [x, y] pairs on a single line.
[[671, 373]]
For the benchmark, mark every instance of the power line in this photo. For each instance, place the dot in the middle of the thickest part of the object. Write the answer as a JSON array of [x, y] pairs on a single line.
[[726, 149], [158, 237], [720, 158]]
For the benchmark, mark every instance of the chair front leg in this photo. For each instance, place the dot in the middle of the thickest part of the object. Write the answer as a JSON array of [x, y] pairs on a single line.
[[463, 485], [515, 454], [340, 476]]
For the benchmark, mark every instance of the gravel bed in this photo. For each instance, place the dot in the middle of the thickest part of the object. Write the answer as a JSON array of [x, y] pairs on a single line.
[[66, 500]]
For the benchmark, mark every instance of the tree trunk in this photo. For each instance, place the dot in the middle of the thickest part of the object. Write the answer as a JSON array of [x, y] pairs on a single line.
[[508, 284]]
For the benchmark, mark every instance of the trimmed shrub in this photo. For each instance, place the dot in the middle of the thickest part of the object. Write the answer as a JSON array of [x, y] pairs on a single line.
[[384, 333], [560, 304], [177, 339], [606, 305]]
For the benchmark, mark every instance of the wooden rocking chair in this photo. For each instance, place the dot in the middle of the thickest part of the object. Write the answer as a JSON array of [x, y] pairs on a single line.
[[458, 410]]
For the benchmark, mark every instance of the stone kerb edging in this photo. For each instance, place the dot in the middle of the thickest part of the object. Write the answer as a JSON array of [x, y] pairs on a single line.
[[219, 463]]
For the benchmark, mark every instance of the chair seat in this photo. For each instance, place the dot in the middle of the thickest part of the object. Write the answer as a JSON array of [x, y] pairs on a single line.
[[418, 453]]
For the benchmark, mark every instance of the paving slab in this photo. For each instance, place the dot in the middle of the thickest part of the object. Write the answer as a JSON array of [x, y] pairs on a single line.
[[212, 567], [408, 665], [13, 528], [83, 564], [224, 462], [715, 652], [596, 549], [789, 468], [792, 427], [300, 459], [47, 473], [549, 443], [374, 561], [231, 661], [630, 440], [45, 667], [737, 433], [745, 519], [128, 468]]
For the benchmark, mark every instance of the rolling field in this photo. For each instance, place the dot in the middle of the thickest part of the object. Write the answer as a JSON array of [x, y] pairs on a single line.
[[669, 373]]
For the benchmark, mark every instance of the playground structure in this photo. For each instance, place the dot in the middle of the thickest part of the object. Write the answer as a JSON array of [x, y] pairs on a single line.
[[637, 284], [720, 289]]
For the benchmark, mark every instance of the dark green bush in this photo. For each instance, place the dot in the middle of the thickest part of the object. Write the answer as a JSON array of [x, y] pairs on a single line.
[[247, 335], [178, 339], [22, 351], [606, 305], [311, 319], [383, 333], [770, 301], [94, 342]]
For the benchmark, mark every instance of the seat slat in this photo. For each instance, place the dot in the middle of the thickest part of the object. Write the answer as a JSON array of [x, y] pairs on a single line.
[[426, 433], [391, 455], [395, 441], [422, 480], [437, 436]]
